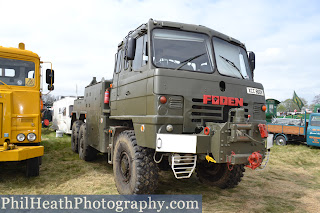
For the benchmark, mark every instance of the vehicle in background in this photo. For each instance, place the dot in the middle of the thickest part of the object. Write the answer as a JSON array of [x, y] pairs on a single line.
[[46, 116], [271, 111], [61, 118], [303, 130], [20, 106]]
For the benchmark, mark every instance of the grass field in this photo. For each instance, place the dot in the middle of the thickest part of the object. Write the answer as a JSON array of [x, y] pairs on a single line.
[[290, 183]]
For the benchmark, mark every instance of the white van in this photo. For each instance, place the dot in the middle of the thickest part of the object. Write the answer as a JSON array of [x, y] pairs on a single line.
[[61, 119]]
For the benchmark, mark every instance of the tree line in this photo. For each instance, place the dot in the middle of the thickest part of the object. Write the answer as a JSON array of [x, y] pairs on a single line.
[[289, 106]]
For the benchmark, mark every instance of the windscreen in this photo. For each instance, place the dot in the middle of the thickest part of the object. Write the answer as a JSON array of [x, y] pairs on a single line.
[[181, 50], [231, 59], [315, 120], [17, 72]]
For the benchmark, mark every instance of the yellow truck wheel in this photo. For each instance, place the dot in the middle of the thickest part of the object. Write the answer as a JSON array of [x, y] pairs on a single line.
[[33, 167]]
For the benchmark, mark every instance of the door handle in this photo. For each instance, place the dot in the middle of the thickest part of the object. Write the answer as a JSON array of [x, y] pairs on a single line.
[[128, 93]]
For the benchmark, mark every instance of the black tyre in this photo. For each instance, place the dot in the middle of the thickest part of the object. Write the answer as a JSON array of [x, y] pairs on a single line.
[[218, 174], [74, 135], [86, 152], [164, 164], [281, 140], [33, 167], [134, 170], [40, 160]]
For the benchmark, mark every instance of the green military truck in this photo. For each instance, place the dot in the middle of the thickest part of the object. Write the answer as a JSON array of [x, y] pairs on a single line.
[[182, 96]]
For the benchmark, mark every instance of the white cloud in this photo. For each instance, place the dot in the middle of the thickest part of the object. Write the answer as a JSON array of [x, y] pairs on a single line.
[[81, 37]]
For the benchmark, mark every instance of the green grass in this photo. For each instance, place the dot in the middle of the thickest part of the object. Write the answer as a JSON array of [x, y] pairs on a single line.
[[290, 183]]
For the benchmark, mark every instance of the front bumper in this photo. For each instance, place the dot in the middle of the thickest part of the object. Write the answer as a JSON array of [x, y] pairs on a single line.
[[222, 151], [21, 153]]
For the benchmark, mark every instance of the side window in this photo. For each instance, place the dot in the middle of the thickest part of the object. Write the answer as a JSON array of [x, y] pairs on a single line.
[[315, 120], [271, 108], [31, 74], [7, 72], [126, 62], [64, 112], [145, 50], [70, 109], [119, 61], [137, 62]]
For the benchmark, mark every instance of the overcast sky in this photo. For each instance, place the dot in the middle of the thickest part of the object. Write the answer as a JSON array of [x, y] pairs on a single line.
[[80, 38]]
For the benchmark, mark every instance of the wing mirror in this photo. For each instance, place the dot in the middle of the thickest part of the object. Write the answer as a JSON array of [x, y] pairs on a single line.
[[252, 60], [131, 48], [50, 78]]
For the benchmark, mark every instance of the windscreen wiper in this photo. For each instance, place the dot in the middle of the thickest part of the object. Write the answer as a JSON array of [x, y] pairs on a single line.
[[5, 84], [232, 64], [188, 60]]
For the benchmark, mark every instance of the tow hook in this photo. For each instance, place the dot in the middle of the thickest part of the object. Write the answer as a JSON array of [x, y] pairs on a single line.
[[255, 160], [210, 159], [7, 146]]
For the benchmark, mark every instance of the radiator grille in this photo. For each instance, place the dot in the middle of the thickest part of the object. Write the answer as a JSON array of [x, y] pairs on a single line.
[[202, 113]]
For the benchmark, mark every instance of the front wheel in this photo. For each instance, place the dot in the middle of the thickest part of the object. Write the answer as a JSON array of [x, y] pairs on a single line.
[[281, 140], [218, 174], [33, 167], [134, 170]]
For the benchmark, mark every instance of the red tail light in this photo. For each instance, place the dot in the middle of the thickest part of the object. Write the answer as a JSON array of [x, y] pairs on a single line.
[[263, 130]]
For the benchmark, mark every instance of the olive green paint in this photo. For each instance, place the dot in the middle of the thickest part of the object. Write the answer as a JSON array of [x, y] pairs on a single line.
[[134, 102]]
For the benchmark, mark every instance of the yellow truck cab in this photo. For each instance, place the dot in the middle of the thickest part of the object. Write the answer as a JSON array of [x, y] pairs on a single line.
[[20, 106]]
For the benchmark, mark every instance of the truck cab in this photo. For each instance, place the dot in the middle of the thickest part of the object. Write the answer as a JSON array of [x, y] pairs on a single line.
[[173, 78], [313, 130], [20, 105]]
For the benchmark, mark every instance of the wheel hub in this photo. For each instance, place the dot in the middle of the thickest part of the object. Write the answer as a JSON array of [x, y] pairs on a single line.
[[125, 166]]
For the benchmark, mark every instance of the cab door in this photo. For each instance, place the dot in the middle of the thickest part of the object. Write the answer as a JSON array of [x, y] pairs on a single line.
[[313, 130], [114, 93], [130, 82]]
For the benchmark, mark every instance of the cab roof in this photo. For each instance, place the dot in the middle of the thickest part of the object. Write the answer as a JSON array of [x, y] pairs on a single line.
[[17, 51], [193, 28]]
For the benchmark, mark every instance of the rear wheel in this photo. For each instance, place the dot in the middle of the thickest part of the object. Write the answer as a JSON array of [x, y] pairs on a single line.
[[281, 140], [134, 170], [74, 135], [218, 174], [86, 152], [33, 167]]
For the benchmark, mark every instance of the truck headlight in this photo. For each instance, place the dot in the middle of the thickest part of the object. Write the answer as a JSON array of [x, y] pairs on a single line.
[[31, 137], [21, 137], [169, 128]]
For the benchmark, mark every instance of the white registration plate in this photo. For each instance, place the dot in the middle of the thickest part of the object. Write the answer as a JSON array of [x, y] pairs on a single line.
[[255, 91], [176, 143]]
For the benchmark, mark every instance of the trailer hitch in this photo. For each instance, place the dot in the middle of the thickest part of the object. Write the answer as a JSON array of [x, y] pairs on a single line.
[[255, 160]]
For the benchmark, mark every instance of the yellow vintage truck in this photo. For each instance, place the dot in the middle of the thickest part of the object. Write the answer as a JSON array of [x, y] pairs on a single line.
[[20, 106]]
